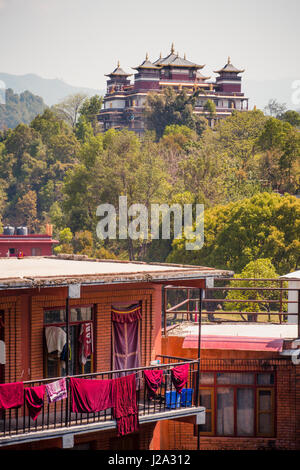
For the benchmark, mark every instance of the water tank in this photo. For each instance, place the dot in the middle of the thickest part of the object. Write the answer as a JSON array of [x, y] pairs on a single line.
[[22, 231], [8, 230]]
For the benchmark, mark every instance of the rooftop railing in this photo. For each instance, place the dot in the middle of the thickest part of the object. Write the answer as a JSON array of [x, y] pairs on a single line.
[[245, 300]]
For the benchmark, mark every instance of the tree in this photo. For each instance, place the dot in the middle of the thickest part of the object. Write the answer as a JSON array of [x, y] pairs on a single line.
[[26, 211], [83, 243], [275, 109], [170, 107], [263, 226], [19, 108], [69, 108], [280, 142], [292, 117], [65, 242], [210, 107], [258, 269], [90, 109]]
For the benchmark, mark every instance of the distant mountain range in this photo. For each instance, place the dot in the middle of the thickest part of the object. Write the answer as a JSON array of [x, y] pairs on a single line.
[[51, 90], [54, 90]]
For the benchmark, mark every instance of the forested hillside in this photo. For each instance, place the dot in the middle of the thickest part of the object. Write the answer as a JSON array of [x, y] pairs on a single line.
[[54, 172], [16, 109]]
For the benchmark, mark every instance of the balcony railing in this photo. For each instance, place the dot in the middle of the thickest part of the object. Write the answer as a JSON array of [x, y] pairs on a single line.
[[57, 417]]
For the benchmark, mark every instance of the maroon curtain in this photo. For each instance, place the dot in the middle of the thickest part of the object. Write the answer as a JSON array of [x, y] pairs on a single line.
[[126, 337]]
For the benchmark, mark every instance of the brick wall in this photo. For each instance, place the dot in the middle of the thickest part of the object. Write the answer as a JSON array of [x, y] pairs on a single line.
[[179, 435]]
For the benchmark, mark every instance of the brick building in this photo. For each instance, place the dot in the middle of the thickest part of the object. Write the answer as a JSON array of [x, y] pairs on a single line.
[[64, 294], [249, 385], [16, 242]]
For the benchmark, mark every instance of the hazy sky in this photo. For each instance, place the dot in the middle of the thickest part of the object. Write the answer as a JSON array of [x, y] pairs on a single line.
[[81, 40]]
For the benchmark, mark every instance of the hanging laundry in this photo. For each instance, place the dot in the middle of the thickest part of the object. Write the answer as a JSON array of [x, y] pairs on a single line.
[[153, 379], [125, 404], [34, 397], [56, 338], [86, 342], [179, 376], [126, 337], [56, 390], [11, 395], [90, 396]]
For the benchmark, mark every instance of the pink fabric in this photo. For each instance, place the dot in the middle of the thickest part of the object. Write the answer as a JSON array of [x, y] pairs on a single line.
[[179, 376], [153, 379], [86, 342], [56, 390], [90, 396], [11, 395], [125, 404], [35, 400]]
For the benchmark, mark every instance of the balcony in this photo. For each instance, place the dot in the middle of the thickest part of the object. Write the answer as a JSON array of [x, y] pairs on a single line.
[[57, 419]]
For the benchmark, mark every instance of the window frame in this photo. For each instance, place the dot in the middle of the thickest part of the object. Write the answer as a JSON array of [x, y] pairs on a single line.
[[71, 323], [213, 387]]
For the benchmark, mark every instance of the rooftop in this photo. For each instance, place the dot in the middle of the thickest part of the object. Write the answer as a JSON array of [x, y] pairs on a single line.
[[64, 270], [249, 330]]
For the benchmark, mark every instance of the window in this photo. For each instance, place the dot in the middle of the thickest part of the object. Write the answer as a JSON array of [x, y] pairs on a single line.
[[238, 403], [36, 251], [55, 363]]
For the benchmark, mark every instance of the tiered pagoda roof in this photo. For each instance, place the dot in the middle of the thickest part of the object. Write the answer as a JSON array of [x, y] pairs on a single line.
[[229, 68], [175, 61], [146, 65], [119, 72]]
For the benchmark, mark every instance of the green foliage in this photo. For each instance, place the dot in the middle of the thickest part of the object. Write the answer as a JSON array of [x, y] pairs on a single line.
[[210, 107], [58, 170], [19, 109], [258, 269], [264, 226], [171, 108]]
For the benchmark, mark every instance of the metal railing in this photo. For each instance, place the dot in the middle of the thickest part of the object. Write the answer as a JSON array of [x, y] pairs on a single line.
[[264, 301], [57, 415]]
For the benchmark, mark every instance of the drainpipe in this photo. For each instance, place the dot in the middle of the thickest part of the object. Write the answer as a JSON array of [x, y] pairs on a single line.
[[198, 372]]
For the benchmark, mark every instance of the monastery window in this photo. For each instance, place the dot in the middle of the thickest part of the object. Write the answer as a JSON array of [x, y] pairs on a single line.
[[238, 403], [81, 335]]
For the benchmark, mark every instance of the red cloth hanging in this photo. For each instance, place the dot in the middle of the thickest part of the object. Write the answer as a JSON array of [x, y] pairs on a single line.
[[11, 395], [86, 342], [90, 396], [125, 404], [153, 379], [34, 397], [179, 376], [127, 315]]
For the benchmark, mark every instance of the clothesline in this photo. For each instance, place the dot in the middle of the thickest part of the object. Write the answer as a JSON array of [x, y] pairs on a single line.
[[93, 395]]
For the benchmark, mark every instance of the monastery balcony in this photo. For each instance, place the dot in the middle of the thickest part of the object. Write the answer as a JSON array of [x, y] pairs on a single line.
[[58, 420]]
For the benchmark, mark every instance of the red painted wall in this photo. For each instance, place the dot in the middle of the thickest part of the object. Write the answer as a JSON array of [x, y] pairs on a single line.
[[42, 244]]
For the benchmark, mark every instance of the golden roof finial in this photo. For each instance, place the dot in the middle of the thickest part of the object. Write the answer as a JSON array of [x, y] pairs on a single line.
[[160, 56], [184, 56], [229, 61], [147, 57], [172, 48], [118, 65]]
